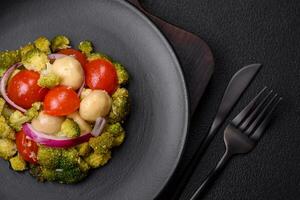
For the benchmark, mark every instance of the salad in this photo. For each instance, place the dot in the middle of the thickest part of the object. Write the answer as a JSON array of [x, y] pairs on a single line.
[[61, 109]]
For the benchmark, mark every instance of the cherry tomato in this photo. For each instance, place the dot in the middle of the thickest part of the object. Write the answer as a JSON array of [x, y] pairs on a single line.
[[23, 89], [77, 54], [101, 74], [27, 148], [61, 101]]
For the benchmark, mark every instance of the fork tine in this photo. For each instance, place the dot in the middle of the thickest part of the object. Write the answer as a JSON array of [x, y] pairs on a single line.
[[262, 126], [255, 112], [242, 115]]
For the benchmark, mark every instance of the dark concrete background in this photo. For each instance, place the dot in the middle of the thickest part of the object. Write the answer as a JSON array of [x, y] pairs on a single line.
[[240, 33]]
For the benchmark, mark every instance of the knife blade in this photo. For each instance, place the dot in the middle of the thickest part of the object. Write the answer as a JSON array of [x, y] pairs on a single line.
[[237, 85]]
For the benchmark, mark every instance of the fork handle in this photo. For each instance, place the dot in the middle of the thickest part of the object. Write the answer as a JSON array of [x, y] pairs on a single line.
[[212, 176]]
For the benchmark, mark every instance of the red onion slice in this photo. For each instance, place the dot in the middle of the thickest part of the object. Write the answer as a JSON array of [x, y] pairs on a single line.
[[62, 142], [3, 83], [81, 88], [52, 141], [99, 126]]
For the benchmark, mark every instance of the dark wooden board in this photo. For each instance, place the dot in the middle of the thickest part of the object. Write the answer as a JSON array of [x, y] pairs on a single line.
[[193, 53]]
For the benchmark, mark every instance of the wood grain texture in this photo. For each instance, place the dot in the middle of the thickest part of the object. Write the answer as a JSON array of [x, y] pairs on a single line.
[[194, 55]]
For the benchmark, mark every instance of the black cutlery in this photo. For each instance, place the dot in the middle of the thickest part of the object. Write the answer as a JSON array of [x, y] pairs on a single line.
[[243, 132], [234, 90]]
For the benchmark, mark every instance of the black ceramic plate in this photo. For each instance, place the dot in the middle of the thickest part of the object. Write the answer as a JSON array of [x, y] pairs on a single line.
[[158, 123]]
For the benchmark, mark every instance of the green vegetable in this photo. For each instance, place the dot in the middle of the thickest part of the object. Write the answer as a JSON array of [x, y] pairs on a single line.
[[85, 47], [49, 157], [17, 119], [43, 44], [70, 176], [61, 165], [60, 42], [7, 148], [84, 166], [102, 143], [56, 158], [23, 50], [83, 149], [69, 128], [120, 106], [5, 130], [35, 60], [95, 56], [119, 139], [117, 131], [2, 104], [122, 74], [96, 160], [7, 111], [8, 58], [46, 174], [69, 159], [17, 163], [33, 112], [49, 80], [67, 176]]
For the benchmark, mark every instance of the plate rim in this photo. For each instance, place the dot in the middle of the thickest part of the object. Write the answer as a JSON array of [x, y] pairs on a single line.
[[179, 70]]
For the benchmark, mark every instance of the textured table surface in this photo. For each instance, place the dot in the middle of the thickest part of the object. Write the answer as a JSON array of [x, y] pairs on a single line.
[[240, 33]]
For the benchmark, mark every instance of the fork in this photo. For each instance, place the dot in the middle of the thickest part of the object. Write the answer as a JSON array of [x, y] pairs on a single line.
[[243, 132]]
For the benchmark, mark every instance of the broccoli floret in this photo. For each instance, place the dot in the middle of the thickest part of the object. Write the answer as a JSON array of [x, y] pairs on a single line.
[[43, 44], [60, 42], [61, 165], [69, 128], [119, 139], [35, 60], [120, 106], [33, 112], [7, 112], [49, 157], [69, 158], [17, 163], [114, 129], [46, 174], [7, 148], [67, 176], [122, 74], [85, 92], [23, 50], [70, 176], [84, 166], [102, 143], [117, 131], [96, 160], [5, 130], [95, 56], [83, 149], [85, 47], [8, 58], [17, 119], [49, 80], [2, 104]]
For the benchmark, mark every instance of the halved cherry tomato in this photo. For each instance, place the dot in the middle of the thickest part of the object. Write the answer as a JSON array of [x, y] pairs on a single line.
[[23, 89], [27, 148], [61, 101], [77, 54], [101, 74]]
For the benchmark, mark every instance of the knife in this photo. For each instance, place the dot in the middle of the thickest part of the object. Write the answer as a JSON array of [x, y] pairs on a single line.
[[237, 85]]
